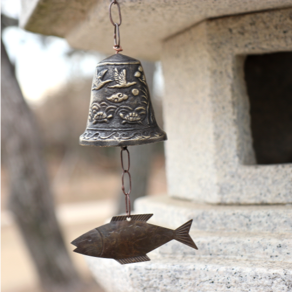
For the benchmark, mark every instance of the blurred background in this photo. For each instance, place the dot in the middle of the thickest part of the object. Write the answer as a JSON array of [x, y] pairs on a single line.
[[55, 81]]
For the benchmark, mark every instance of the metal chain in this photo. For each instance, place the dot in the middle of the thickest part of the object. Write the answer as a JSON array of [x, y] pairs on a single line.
[[126, 171], [117, 47]]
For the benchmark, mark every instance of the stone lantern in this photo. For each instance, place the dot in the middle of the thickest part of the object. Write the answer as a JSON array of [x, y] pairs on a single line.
[[228, 116]]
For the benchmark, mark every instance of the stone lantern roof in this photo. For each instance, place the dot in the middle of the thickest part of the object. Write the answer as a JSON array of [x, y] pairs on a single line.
[[146, 24]]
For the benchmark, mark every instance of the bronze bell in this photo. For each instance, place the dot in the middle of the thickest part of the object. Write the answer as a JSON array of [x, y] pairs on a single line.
[[120, 111]]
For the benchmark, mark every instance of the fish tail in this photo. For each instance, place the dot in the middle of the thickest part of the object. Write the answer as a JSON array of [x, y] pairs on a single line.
[[182, 234]]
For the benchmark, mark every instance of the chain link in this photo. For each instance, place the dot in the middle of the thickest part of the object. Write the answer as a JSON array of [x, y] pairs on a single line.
[[126, 172], [117, 47], [119, 11], [117, 40]]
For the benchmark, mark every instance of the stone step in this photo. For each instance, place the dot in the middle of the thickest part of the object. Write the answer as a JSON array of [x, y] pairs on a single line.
[[247, 246], [195, 274], [214, 218]]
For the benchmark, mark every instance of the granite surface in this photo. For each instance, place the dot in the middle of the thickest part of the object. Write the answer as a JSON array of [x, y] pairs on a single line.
[[213, 218], [209, 152], [226, 245], [198, 274]]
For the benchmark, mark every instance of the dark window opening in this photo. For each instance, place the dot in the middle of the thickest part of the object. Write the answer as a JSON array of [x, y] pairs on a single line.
[[269, 85]]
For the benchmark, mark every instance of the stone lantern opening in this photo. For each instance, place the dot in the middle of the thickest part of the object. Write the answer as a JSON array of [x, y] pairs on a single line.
[[269, 85]]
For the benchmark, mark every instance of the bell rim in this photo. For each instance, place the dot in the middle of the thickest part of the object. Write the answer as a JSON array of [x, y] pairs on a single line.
[[116, 143]]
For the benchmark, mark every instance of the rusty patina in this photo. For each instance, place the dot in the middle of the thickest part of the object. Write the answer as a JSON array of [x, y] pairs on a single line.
[[129, 241], [120, 111]]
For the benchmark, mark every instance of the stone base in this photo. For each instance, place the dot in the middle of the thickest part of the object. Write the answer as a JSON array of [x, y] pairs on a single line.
[[241, 248], [232, 218], [196, 274]]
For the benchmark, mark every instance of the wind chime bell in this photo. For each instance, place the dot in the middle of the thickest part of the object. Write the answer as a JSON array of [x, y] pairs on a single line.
[[121, 114], [120, 111]]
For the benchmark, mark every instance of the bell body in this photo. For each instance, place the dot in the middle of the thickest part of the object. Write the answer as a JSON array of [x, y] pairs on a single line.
[[120, 110]]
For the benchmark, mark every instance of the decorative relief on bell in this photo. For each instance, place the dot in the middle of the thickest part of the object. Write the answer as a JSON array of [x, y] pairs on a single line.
[[120, 111], [135, 91], [117, 97], [98, 82], [121, 79], [133, 117], [99, 113]]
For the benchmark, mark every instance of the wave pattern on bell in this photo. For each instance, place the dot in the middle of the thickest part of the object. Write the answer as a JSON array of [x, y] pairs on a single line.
[[120, 111]]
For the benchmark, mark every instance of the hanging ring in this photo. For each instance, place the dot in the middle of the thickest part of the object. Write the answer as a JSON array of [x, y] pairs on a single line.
[[117, 47], [110, 13]]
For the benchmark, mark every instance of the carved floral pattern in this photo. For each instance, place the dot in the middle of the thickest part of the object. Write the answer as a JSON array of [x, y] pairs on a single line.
[[132, 116], [99, 113], [103, 112]]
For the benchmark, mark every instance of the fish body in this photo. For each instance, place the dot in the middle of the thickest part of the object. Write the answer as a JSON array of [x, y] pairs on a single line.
[[129, 241], [117, 97]]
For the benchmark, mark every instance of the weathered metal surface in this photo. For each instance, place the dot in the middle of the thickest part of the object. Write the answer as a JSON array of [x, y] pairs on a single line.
[[120, 112], [129, 241]]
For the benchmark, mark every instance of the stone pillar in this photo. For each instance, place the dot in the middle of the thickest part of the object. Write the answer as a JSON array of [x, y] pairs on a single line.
[[209, 153], [241, 211]]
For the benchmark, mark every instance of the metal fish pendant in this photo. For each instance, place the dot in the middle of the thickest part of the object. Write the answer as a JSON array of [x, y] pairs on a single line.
[[129, 241]]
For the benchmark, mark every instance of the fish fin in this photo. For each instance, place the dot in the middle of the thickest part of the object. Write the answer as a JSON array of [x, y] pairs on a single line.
[[182, 234], [138, 259], [139, 217], [78, 250]]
